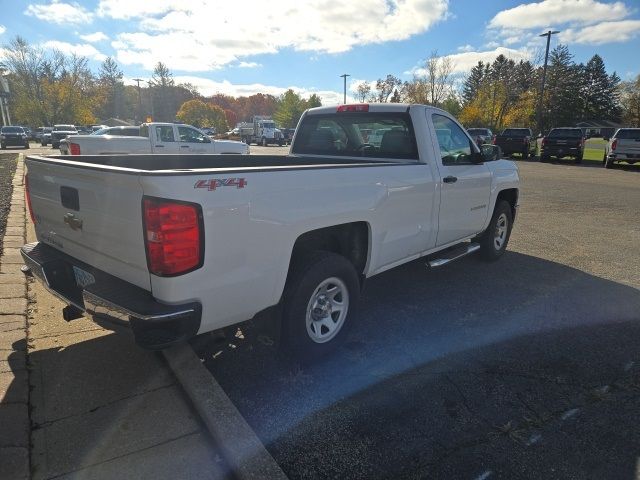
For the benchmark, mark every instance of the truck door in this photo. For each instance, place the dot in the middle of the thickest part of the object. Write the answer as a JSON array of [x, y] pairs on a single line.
[[194, 141], [163, 139], [465, 186]]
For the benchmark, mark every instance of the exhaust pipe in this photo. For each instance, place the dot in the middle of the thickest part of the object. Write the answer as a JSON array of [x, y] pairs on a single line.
[[71, 313]]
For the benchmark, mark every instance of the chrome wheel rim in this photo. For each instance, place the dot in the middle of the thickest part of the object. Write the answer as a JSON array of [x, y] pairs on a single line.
[[327, 310], [502, 226]]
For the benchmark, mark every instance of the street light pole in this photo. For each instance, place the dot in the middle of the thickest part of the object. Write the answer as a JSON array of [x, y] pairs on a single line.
[[138, 80], [544, 76], [344, 76]]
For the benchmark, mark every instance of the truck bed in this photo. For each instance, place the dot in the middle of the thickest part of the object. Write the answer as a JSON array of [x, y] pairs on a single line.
[[174, 164]]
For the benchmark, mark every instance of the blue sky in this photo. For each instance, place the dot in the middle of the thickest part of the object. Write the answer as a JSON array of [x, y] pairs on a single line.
[[240, 48]]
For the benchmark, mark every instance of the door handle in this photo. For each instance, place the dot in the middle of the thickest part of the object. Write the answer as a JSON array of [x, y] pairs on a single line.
[[159, 146], [450, 179]]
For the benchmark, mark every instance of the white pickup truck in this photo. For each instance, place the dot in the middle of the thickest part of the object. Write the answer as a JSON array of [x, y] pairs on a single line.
[[188, 245], [167, 138], [624, 146]]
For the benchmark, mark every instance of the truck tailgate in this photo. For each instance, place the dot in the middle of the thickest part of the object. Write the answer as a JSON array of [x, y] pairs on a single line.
[[90, 214]]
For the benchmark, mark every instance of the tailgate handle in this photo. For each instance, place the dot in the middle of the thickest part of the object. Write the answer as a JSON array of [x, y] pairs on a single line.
[[71, 220], [69, 198]]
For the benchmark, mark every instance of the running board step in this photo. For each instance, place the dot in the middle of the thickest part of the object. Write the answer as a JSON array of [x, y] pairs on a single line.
[[454, 254]]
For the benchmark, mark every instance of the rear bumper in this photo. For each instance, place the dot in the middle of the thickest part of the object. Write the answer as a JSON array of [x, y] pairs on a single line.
[[562, 151], [112, 302], [15, 142]]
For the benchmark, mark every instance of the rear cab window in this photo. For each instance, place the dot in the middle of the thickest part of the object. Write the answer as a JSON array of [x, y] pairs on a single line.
[[516, 132], [387, 135], [628, 134], [565, 133]]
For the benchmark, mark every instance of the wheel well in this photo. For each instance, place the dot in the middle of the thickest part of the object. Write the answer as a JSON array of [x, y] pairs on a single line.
[[511, 196], [351, 240]]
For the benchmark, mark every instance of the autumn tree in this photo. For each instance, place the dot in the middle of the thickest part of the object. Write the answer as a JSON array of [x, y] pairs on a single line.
[[201, 114], [363, 91], [110, 91], [630, 101]]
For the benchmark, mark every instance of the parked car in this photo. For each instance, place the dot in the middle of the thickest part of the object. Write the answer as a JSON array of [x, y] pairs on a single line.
[[516, 140], [45, 139], [287, 135], [563, 142], [61, 131], [115, 131], [624, 146], [13, 137], [154, 138], [184, 244], [481, 135]]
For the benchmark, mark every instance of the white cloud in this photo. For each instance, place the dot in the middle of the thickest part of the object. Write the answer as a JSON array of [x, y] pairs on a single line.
[[558, 12], [209, 87], [466, 48], [94, 37], [83, 49], [60, 12], [605, 32], [2, 29], [464, 61], [202, 35], [249, 65]]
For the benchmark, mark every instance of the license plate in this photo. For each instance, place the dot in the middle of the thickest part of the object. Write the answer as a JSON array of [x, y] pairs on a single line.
[[83, 279]]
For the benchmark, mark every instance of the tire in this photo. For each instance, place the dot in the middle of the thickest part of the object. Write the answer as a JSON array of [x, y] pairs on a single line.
[[578, 160], [608, 163], [604, 159], [264, 142], [494, 240], [27, 146], [304, 337], [3, 146], [525, 154], [544, 158]]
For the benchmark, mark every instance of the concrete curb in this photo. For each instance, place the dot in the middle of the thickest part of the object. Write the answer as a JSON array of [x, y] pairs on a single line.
[[241, 447], [14, 376]]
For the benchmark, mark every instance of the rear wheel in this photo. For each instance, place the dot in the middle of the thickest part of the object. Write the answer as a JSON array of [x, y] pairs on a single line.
[[608, 163], [494, 240], [525, 153], [319, 302], [578, 159], [264, 142], [544, 158], [3, 146]]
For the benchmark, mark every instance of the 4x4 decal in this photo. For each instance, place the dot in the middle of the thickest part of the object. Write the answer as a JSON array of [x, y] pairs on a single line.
[[213, 183]]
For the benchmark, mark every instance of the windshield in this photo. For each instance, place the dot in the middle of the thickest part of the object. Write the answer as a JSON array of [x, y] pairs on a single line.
[[64, 128], [12, 130], [565, 132], [478, 131]]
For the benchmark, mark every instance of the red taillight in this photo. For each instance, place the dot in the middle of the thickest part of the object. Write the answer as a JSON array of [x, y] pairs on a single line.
[[493, 140], [74, 149], [544, 141], [614, 144], [173, 236], [358, 107], [27, 196]]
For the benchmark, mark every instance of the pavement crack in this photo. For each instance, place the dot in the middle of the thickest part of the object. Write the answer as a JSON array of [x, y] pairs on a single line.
[[48, 423]]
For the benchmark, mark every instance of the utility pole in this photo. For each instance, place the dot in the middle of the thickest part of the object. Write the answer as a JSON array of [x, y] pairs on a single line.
[[153, 119], [344, 76], [138, 80], [544, 76]]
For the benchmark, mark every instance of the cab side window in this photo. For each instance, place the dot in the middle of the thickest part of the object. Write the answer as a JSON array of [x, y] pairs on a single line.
[[191, 135], [455, 145], [164, 133]]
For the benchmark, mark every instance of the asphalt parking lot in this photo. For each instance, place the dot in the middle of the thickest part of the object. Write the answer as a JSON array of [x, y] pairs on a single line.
[[525, 368]]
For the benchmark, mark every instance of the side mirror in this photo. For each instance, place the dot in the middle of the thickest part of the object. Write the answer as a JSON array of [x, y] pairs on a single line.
[[491, 152]]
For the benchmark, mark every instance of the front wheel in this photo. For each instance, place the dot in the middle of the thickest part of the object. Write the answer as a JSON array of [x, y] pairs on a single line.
[[264, 142], [319, 302], [494, 240]]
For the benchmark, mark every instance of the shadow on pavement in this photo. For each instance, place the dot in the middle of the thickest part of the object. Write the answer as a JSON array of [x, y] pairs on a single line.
[[103, 408], [525, 368]]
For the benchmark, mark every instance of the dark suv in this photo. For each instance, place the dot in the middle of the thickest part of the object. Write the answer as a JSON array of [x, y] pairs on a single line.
[[13, 137]]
